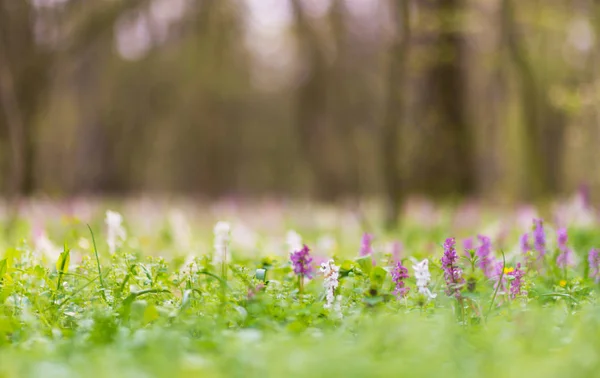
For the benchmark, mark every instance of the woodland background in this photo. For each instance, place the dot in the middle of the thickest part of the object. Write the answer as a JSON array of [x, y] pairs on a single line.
[[320, 99]]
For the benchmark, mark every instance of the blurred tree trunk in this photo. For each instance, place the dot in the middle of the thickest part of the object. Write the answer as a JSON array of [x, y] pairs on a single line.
[[25, 76], [92, 152], [544, 124], [446, 162], [311, 112], [26, 66], [594, 180], [394, 109], [340, 100], [13, 127]]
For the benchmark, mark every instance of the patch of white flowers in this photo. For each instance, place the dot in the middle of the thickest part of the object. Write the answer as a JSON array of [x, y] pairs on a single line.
[[423, 277], [337, 307], [221, 242], [189, 267], [115, 232], [331, 273]]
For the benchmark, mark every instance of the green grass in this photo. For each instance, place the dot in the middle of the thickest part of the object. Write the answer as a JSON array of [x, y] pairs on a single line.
[[156, 309]]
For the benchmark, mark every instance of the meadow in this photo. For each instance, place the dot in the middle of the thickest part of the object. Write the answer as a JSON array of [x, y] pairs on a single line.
[[154, 289]]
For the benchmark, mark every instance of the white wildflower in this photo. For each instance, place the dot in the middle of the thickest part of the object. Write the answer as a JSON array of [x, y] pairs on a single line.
[[331, 273], [423, 277], [337, 308], [190, 267], [221, 242], [116, 233], [293, 241]]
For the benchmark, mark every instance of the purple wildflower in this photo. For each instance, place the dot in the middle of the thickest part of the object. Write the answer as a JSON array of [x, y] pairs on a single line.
[[562, 238], [301, 261], [539, 237], [524, 241], [366, 249], [483, 253], [399, 274], [365, 246], [566, 255], [564, 258], [468, 246], [397, 248], [452, 273], [516, 285], [594, 261]]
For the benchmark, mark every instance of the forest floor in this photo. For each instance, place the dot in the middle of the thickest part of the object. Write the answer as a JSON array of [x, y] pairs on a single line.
[[148, 289]]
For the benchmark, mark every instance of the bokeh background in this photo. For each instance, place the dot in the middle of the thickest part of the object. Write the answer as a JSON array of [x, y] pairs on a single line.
[[319, 99]]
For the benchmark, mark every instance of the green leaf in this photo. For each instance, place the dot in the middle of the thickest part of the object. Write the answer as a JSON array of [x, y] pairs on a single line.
[[62, 265], [378, 275], [296, 327], [185, 300], [261, 274], [365, 263], [3, 267], [242, 311], [11, 255], [373, 300], [3, 270], [125, 308], [347, 265], [150, 314]]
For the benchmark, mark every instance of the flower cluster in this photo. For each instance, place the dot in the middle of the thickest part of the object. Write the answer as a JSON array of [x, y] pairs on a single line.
[[365, 245], [484, 252], [524, 241], [452, 273], [331, 273], [539, 237], [115, 234], [516, 283], [594, 262], [399, 274], [468, 246], [423, 277], [302, 262], [221, 242], [565, 257]]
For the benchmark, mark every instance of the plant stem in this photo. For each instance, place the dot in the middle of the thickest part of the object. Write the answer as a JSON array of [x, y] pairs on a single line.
[[103, 292], [499, 283]]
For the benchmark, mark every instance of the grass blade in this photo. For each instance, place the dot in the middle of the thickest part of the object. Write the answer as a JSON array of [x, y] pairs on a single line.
[[98, 263]]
